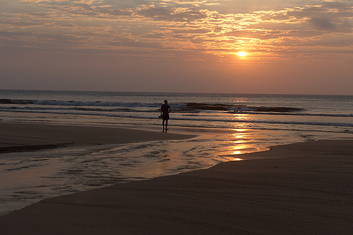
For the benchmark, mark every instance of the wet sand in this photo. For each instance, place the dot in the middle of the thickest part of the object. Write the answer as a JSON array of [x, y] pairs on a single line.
[[303, 188], [17, 137]]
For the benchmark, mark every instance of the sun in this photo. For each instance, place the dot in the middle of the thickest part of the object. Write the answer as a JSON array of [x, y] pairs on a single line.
[[242, 53]]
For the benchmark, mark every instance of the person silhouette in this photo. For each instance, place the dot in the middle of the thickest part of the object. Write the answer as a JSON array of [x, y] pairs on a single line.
[[165, 110]]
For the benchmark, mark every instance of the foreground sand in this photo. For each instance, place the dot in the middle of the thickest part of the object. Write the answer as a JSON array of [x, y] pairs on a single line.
[[304, 188], [27, 137]]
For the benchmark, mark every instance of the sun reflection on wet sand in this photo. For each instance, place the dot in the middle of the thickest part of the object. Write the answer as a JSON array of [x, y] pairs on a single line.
[[241, 148], [234, 159], [242, 141]]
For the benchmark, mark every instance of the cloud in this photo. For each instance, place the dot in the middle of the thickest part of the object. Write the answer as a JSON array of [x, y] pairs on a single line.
[[190, 26], [329, 15], [74, 2], [171, 14], [323, 22]]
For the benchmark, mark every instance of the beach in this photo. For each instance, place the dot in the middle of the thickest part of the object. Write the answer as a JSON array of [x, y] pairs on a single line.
[[302, 188], [38, 161], [16, 137], [150, 117]]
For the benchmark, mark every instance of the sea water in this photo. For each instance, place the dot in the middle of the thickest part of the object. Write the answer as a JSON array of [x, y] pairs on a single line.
[[225, 127]]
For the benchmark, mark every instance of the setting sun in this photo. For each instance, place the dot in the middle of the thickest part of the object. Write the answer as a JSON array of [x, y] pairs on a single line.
[[242, 53]]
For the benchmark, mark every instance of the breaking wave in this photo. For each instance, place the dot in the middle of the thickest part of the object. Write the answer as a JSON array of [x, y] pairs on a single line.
[[199, 119]]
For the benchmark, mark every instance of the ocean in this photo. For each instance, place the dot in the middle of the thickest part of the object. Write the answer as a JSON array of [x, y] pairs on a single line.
[[226, 126]]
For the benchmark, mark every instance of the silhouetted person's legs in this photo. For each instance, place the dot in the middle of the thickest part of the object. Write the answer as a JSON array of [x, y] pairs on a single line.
[[165, 125], [165, 109]]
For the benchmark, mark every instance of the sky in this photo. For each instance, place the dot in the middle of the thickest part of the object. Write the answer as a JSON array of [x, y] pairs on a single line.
[[291, 46]]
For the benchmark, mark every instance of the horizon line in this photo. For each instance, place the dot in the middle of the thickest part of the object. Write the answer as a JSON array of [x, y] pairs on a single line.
[[175, 92]]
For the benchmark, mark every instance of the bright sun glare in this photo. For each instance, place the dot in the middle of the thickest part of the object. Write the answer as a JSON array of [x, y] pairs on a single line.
[[242, 53]]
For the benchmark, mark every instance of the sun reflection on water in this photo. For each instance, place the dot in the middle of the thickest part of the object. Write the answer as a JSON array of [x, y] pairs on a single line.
[[241, 148], [234, 159], [241, 116], [242, 140]]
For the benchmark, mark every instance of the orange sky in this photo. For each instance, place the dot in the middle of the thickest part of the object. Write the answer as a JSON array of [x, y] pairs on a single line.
[[292, 46]]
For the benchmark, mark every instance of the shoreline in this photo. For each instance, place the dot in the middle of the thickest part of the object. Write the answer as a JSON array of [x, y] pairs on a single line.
[[300, 188], [32, 148], [23, 137]]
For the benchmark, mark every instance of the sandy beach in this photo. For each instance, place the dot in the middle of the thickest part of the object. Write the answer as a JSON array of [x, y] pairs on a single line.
[[28, 137], [303, 188]]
